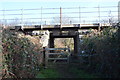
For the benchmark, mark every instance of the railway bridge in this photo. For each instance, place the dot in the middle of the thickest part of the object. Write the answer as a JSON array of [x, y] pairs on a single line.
[[62, 31]]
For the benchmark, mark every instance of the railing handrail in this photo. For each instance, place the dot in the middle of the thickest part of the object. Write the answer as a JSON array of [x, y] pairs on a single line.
[[56, 49]]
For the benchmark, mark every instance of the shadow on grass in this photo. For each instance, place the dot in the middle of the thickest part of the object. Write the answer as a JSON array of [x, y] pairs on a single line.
[[48, 73], [64, 71]]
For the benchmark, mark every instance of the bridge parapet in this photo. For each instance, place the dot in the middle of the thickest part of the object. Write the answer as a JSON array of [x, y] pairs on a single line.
[[64, 27]]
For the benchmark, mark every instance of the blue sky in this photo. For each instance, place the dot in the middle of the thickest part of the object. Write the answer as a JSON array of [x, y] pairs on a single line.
[[32, 4], [37, 4]]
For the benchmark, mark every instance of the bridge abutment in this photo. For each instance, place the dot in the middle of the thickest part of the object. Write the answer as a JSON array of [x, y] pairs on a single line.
[[70, 34], [51, 41]]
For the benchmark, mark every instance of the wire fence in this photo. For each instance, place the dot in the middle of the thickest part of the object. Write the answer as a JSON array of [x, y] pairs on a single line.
[[51, 16]]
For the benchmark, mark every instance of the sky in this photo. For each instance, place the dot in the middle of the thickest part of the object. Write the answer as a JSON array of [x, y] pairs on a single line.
[[59, 0], [37, 4], [12, 4]]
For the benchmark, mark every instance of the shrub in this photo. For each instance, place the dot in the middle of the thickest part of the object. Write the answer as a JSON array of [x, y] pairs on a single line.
[[107, 46], [21, 56]]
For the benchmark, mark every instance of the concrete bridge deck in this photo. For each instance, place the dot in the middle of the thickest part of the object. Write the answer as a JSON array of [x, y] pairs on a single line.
[[62, 27]]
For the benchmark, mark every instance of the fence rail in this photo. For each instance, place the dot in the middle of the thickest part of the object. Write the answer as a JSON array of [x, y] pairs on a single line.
[[69, 15], [62, 55]]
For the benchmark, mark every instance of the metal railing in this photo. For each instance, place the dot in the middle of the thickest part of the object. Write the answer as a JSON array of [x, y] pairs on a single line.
[[53, 16]]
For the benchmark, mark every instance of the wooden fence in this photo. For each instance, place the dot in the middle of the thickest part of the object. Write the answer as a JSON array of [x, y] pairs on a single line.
[[54, 55]]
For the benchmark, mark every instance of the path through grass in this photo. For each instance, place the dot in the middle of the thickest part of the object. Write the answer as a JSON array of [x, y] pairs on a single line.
[[48, 73], [64, 71]]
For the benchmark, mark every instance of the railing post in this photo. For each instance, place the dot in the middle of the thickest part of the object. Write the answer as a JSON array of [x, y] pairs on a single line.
[[22, 16], [69, 55], [4, 17], [79, 14], [70, 22], [45, 22], [99, 13], [60, 17], [41, 15], [119, 11], [99, 17]]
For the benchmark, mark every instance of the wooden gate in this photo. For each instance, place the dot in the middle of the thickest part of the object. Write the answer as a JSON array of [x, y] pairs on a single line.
[[56, 55]]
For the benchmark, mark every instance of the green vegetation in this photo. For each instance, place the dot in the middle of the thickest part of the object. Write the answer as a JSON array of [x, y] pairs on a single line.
[[79, 73], [48, 73], [21, 56], [106, 46], [71, 72], [64, 42]]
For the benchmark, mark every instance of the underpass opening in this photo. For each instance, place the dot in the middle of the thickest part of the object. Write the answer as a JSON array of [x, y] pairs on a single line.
[[64, 43], [75, 40]]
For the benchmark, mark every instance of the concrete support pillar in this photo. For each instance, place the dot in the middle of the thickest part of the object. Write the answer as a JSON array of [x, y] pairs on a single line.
[[51, 41], [76, 44], [99, 27]]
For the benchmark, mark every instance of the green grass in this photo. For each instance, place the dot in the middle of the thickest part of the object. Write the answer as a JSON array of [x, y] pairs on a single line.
[[81, 74], [72, 71], [48, 73]]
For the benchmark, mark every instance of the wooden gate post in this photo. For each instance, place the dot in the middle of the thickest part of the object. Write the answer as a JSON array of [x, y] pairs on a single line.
[[44, 58], [75, 46], [69, 55]]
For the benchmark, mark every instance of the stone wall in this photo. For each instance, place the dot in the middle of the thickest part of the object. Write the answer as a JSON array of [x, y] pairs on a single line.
[[44, 40]]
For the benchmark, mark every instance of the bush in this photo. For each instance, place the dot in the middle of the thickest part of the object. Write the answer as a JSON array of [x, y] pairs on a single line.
[[107, 46], [21, 56]]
